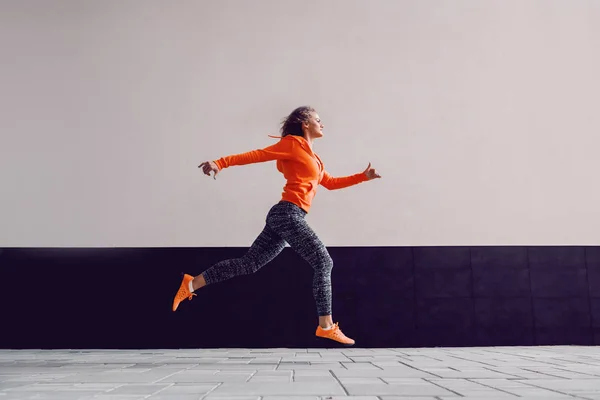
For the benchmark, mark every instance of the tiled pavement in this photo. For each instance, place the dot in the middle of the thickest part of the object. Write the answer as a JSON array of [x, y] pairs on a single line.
[[552, 373]]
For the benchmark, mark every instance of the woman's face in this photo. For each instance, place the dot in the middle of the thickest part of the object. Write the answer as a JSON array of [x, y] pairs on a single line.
[[313, 128]]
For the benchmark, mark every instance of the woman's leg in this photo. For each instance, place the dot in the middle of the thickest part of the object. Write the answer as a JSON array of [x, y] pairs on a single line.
[[264, 249], [288, 221]]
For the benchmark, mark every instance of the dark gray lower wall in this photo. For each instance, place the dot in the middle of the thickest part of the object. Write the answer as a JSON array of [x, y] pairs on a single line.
[[383, 297]]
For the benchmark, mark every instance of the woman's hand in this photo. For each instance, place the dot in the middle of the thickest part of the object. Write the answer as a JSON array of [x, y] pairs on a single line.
[[208, 167], [371, 173]]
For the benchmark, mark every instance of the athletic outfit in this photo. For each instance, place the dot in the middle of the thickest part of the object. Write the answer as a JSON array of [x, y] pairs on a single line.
[[285, 222]]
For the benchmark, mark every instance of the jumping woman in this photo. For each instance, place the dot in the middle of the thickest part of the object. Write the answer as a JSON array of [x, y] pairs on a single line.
[[285, 222]]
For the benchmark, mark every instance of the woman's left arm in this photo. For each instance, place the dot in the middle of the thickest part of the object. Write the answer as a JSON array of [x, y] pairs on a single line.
[[331, 183]]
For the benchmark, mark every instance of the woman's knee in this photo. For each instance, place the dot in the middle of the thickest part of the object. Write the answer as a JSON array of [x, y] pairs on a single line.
[[326, 263]]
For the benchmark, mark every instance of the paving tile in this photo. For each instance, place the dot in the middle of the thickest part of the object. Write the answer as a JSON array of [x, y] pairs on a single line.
[[264, 379], [310, 372], [571, 386], [138, 389], [360, 366], [589, 396], [470, 373], [193, 377], [180, 396], [323, 366], [281, 389], [312, 379], [66, 395], [354, 398], [188, 388], [538, 393], [11, 385], [112, 377], [403, 372], [273, 373], [413, 387], [350, 381], [412, 398], [216, 397], [54, 387], [266, 360], [291, 398], [234, 367], [483, 396]]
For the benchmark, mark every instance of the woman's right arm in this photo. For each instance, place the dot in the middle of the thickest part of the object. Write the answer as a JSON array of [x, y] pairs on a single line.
[[281, 150]]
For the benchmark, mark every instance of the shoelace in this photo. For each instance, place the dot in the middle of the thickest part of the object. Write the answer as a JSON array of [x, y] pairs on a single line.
[[181, 295], [336, 330]]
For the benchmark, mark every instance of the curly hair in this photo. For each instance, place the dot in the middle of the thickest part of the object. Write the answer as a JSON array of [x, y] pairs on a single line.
[[292, 124]]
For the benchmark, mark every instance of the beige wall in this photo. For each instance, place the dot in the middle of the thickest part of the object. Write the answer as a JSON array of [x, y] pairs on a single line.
[[482, 116]]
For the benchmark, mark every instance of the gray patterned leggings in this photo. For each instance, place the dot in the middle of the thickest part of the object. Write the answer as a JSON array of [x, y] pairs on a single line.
[[285, 223]]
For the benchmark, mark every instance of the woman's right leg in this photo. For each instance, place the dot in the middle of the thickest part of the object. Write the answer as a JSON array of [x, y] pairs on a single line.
[[264, 249]]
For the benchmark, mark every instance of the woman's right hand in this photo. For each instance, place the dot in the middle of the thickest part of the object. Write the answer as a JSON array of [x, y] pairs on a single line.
[[208, 167]]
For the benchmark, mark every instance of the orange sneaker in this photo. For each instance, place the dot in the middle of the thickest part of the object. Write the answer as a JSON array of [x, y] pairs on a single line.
[[335, 333], [184, 291]]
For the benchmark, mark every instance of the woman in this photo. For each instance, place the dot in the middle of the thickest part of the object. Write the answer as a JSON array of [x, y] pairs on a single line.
[[285, 222]]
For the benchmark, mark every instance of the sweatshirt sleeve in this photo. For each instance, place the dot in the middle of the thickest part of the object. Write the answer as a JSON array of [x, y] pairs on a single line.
[[332, 183], [281, 150]]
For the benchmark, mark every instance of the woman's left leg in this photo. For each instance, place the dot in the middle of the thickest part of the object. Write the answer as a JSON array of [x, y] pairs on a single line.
[[291, 225]]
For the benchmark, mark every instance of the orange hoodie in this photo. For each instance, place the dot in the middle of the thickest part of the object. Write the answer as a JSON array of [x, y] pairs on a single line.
[[301, 167]]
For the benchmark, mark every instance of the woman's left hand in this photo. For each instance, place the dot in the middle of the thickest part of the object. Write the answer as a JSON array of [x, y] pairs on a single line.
[[371, 173]]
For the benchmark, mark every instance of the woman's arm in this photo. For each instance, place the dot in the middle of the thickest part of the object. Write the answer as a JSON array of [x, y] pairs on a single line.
[[331, 183], [281, 150]]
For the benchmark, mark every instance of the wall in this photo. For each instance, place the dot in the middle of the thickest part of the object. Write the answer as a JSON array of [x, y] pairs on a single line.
[[480, 116], [383, 297]]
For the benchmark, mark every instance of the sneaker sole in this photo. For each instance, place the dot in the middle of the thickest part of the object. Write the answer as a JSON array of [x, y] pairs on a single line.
[[322, 340]]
